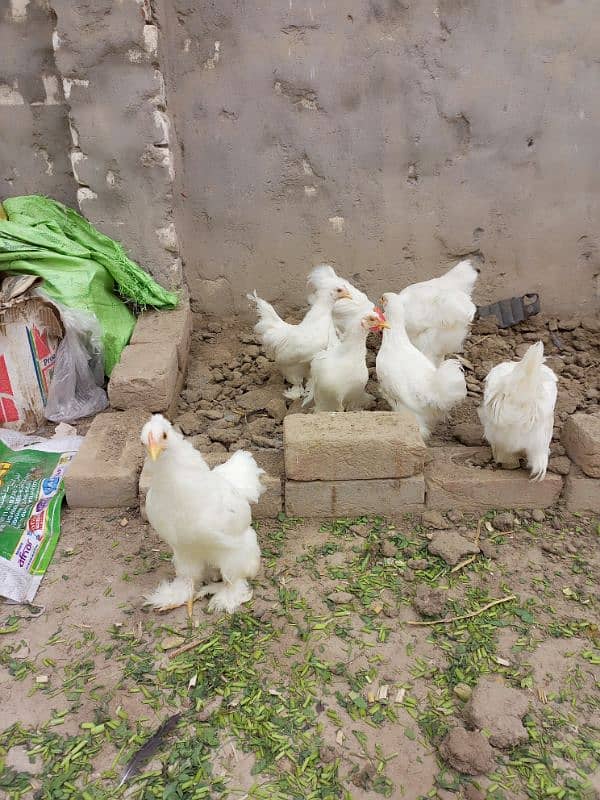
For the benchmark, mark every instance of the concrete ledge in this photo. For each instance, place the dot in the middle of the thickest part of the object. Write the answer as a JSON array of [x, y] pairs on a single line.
[[582, 493], [104, 473], [360, 445], [173, 326], [455, 483], [271, 502], [388, 497], [581, 440], [145, 377]]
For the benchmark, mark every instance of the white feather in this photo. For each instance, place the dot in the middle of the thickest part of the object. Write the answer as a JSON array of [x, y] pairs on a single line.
[[439, 312], [203, 515], [346, 309], [517, 412], [408, 379]]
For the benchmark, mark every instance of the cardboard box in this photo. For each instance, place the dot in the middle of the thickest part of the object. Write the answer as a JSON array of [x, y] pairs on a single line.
[[30, 330]]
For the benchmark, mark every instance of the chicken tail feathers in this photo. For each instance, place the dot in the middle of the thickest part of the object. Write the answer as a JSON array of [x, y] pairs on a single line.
[[449, 384], [462, 277], [244, 474], [270, 328]]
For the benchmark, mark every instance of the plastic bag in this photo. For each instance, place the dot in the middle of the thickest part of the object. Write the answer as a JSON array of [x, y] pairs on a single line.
[[76, 387]]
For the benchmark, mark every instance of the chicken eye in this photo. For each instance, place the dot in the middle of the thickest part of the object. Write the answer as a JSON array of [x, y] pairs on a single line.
[[164, 436]]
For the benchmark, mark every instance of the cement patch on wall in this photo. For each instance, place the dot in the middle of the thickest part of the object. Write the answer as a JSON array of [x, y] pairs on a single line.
[[389, 138]]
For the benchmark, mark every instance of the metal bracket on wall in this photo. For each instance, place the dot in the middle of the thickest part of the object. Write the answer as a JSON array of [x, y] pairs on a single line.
[[512, 311]]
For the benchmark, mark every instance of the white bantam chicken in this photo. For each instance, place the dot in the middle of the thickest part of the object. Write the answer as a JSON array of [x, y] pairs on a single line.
[[517, 412], [204, 516], [338, 376], [294, 346], [408, 379], [349, 304], [439, 312]]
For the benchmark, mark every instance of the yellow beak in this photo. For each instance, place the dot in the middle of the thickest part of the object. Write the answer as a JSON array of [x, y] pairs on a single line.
[[345, 294], [384, 325], [154, 448]]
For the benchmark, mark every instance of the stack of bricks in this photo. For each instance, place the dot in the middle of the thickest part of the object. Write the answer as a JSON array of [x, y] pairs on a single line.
[[344, 465], [147, 379], [581, 440], [377, 463]]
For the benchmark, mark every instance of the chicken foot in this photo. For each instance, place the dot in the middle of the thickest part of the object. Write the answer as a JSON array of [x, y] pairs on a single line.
[[227, 596]]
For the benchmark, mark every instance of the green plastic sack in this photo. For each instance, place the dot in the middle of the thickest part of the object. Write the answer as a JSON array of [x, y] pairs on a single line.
[[81, 267]]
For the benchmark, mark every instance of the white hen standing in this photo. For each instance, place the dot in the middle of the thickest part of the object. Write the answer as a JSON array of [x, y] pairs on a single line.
[[204, 516], [338, 376], [294, 346], [349, 304], [517, 412], [440, 311], [408, 379]]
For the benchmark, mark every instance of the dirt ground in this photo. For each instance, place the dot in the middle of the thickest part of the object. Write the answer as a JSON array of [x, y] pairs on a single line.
[[321, 687]]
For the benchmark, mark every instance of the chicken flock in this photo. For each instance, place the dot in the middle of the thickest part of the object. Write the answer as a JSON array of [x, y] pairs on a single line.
[[205, 516]]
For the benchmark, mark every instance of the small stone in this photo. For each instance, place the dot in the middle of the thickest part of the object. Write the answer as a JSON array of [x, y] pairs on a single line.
[[190, 423], [498, 708], [210, 707], [171, 642], [214, 327], [554, 548], [255, 400], [124, 522], [388, 549], [451, 546], [463, 692], [429, 602], [489, 549], [340, 598], [591, 324], [434, 519], [504, 522], [471, 792], [568, 324], [455, 516], [538, 515], [468, 433], [276, 408], [224, 435], [468, 752], [417, 563], [327, 754], [446, 794], [560, 465]]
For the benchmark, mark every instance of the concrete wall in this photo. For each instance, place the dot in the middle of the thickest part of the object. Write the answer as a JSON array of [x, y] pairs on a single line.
[[34, 133], [389, 137]]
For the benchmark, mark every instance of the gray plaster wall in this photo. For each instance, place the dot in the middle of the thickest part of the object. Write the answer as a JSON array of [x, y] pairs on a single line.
[[388, 137], [34, 134]]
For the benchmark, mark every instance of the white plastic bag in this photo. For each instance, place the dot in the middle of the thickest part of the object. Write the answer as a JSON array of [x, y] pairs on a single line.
[[76, 387]]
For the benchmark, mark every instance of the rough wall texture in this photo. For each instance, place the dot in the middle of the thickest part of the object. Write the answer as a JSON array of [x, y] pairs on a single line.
[[389, 137], [33, 117], [107, 53]]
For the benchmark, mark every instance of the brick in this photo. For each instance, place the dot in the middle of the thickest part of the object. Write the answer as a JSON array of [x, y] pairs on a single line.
[[270, 503], [581, 440], [389, 497], [145, 377], [167, 326], [582, 493], [454, 484], [104, 473], [360, 445]]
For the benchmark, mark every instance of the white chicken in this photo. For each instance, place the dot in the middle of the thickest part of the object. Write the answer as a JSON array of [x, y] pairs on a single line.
[[408, 379], [338, 376], [348, 305], [204, 516], [294, 346], [517, 412], [440, 311]]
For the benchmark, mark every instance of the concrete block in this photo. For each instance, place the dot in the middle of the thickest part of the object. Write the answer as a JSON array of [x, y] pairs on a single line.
[[145, 377], [581, 440], [269, 505], [582, 493], [455, 483], [104, 473], [360, 445], [389, 497], [167, 326]]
